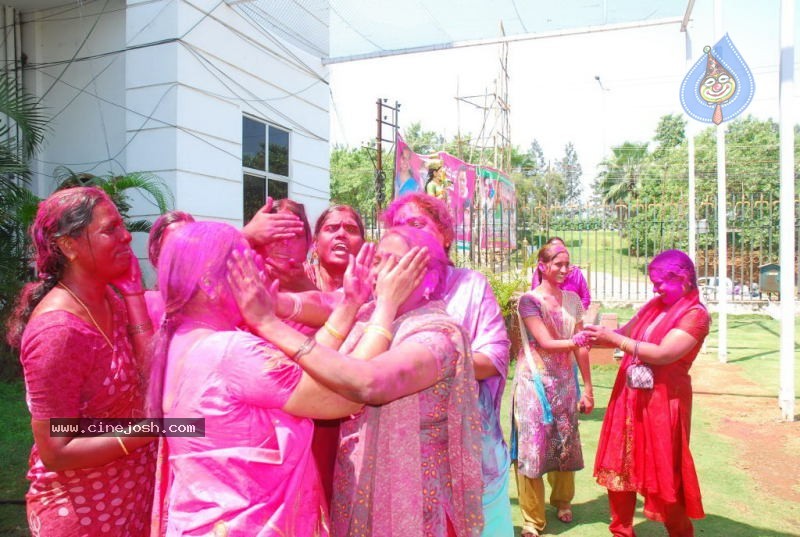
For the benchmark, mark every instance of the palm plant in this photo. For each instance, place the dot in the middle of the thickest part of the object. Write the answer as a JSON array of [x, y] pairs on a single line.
[[623, 173], [117, 187]]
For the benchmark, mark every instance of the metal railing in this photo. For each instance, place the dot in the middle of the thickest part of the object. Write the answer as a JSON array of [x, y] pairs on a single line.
[[614, 243]]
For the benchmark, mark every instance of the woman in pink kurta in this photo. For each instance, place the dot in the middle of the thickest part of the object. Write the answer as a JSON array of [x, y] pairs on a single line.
[[81, 345], [252, 472]]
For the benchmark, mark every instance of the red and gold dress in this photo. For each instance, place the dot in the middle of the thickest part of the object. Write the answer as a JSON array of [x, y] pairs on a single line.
[[644, 442]]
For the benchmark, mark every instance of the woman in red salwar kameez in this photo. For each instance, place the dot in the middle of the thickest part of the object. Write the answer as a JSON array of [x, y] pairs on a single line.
[[644, 442]]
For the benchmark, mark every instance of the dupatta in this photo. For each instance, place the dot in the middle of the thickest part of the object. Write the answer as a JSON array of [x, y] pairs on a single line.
[[644, 442], [385, 495]]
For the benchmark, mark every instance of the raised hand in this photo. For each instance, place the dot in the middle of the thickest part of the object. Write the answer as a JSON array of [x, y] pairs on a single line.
[[255, 295], [266, 227], [357, 283], [131, 282], [396, 280]]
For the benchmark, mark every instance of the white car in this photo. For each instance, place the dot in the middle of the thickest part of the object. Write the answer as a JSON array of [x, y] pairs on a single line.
[[708, 286]]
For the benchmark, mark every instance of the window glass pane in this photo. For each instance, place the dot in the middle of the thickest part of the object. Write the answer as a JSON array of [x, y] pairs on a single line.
[[278, 190], [278, 151], [254, 194], [253, 140]]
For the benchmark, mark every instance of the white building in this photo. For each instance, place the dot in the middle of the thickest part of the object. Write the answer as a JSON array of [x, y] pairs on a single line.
[[224, 101]]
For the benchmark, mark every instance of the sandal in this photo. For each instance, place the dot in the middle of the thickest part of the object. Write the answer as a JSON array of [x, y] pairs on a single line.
[[565, 514]]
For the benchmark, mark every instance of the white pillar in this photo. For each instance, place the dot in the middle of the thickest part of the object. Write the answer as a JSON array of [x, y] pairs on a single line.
[[722, 215], [787, 242], [690, 146]]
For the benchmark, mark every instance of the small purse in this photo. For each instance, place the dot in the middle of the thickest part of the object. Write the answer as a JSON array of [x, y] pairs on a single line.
[[639, 375]]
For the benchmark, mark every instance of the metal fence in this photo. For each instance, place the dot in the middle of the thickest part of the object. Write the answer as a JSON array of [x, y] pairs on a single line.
[[613, 243]]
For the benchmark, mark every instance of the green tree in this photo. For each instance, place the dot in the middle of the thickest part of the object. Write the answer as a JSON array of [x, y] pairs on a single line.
[[118, 188], [423, 142], [623, 173], [353, 178], [570, 169]]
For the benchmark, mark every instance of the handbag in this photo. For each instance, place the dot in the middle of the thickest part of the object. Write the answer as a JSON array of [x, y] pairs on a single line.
[[639, 375]]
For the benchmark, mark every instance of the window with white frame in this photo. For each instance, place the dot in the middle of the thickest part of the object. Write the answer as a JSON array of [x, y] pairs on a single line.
[[265, 164]]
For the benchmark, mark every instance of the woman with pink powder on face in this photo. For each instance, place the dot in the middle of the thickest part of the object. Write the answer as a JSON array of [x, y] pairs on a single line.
[[644, 442]]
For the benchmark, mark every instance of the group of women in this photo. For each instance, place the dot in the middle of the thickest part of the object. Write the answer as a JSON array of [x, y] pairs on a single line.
[[336, 377], [644, 440]]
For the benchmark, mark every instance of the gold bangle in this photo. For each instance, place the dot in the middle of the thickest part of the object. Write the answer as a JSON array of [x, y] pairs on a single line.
[[623, 343], [332, 331], [141, 328], [122, 445], [379, 330]]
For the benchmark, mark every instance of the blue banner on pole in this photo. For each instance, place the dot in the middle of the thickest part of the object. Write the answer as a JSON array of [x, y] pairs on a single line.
[[719, 86]]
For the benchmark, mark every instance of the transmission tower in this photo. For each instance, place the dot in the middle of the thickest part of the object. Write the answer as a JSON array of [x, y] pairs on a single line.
[[492, 145]]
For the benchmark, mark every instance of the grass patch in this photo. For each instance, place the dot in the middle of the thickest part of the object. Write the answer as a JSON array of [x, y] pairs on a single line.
[[735, 504], [15, 447]]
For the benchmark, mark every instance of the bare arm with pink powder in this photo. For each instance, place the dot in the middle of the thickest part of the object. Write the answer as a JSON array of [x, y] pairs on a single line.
[[404, 369]]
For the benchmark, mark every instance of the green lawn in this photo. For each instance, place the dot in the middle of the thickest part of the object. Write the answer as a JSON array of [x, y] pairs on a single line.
[[736, 505]]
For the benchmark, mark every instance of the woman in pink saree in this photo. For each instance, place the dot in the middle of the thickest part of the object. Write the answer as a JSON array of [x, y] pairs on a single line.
[[409, 463], [81, 362], [252, 472]]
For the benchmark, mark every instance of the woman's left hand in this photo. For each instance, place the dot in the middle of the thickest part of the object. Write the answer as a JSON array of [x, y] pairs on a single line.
[[255, 295], [586, 404], [357, 283], [130, 283]]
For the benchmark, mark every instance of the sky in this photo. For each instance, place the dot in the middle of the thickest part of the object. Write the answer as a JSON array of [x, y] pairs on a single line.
[[553, 93]]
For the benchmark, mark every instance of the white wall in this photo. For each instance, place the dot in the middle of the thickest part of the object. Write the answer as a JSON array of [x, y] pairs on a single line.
[[172, 103], [223, 67], [86, 133]]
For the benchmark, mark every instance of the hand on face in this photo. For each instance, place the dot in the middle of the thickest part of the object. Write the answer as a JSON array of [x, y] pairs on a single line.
[[397, 280], [357, 281], [130, 283], [255, 295], [266, 227]]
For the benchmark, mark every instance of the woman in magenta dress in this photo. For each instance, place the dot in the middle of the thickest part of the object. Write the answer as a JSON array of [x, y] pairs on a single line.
[[81, 345], [409, 463], [644, 442], [252, 472]]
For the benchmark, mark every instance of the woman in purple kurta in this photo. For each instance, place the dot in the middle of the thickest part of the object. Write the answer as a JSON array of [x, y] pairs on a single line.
[[545, 437], [574, 281], [251, 472]]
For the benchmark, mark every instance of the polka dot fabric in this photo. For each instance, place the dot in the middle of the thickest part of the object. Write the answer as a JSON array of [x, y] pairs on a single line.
[[71, 372]]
